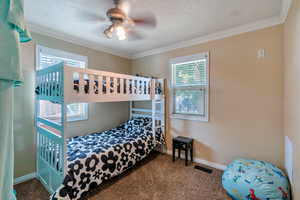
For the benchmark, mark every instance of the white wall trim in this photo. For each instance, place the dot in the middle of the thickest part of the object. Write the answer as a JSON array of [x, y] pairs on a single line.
[[215, 36], [24, 178], [211, 164], [204, 162], [286, 5], [74, 40]]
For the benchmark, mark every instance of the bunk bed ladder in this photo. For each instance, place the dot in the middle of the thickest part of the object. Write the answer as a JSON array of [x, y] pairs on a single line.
[[158, 115], [158, 107], [154, 120]]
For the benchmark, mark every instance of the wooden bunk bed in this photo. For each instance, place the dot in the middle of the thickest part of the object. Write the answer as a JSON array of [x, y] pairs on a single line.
[[67, 166]]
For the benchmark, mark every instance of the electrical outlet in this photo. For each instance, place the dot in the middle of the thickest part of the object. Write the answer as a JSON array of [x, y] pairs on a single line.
[[261, 53]]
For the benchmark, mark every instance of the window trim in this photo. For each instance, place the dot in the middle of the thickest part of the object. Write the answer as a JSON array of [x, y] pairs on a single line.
[[59, 53], [184, 59], [67, 55]]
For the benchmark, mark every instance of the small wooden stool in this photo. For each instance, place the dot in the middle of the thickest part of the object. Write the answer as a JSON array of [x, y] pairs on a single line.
[[183, 143]]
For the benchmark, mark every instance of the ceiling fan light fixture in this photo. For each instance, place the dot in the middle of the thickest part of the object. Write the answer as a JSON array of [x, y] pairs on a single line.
[[122, 37], [120, 32], [121, 24]]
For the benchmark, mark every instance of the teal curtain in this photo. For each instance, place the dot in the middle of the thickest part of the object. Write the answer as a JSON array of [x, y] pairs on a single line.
[[6, 140], [12, 31]]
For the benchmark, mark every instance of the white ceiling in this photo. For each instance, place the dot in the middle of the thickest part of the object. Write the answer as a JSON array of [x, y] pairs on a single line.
[[179, 22]]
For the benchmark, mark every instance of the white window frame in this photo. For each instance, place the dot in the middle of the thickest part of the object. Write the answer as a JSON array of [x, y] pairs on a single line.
[[66, 55], [184, 59]]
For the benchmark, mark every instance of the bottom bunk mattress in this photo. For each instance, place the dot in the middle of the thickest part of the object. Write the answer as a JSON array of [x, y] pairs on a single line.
[[97, 157]]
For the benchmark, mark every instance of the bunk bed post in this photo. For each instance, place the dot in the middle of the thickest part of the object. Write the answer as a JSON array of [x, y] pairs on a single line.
[[130, 109], [38, 138], [153, 85], [66, 78], [64, 136], [153, 120], [163, 107]]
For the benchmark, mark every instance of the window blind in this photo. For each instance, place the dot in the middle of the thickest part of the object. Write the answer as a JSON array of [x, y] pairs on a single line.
[[48, 60], [191, 74]]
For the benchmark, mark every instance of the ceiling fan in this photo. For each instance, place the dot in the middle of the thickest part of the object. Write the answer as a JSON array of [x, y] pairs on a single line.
[[124, 27]]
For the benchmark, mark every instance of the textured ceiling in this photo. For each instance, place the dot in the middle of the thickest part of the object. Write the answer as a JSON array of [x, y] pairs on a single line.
[[177, 20]]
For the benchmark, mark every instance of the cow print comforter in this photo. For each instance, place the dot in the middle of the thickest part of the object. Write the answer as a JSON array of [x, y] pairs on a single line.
[[97, 157]]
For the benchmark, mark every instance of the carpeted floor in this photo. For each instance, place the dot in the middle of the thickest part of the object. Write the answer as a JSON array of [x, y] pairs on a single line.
[[156, 178]]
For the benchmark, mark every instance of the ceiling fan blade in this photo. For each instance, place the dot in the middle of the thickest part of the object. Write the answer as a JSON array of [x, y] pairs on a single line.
[[90, 16], [99, 31], [147, 20]]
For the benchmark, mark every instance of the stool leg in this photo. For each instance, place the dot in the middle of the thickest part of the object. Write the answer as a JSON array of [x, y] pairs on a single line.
[[186, 156], [179, 152], [173, 154], [191, 152]]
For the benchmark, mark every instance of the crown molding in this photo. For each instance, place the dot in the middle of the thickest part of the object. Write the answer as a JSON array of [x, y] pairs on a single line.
[[74, 40], [215, 36], [286, 5]]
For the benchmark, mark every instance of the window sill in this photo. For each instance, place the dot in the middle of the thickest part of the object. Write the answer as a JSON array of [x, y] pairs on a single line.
[[73, 118], [189, 117], [76, 119]]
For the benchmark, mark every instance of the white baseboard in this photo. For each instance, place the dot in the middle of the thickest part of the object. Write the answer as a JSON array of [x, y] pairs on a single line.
[[210, 164], [24, 178], [204, 162]]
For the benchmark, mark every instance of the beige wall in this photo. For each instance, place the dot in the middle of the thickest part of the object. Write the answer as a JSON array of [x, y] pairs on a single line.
[[292, 88], [246, 97], [101, 115], [246, 115]]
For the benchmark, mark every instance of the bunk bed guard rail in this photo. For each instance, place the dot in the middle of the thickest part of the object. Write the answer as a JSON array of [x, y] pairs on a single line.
[[73, 85], [86, 85]]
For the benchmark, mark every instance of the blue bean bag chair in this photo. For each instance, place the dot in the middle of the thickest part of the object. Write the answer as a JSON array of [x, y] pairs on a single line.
[[255, 180]]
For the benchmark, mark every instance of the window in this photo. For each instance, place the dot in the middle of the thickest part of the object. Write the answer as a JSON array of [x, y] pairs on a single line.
[[47, 57], [190, 87]]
